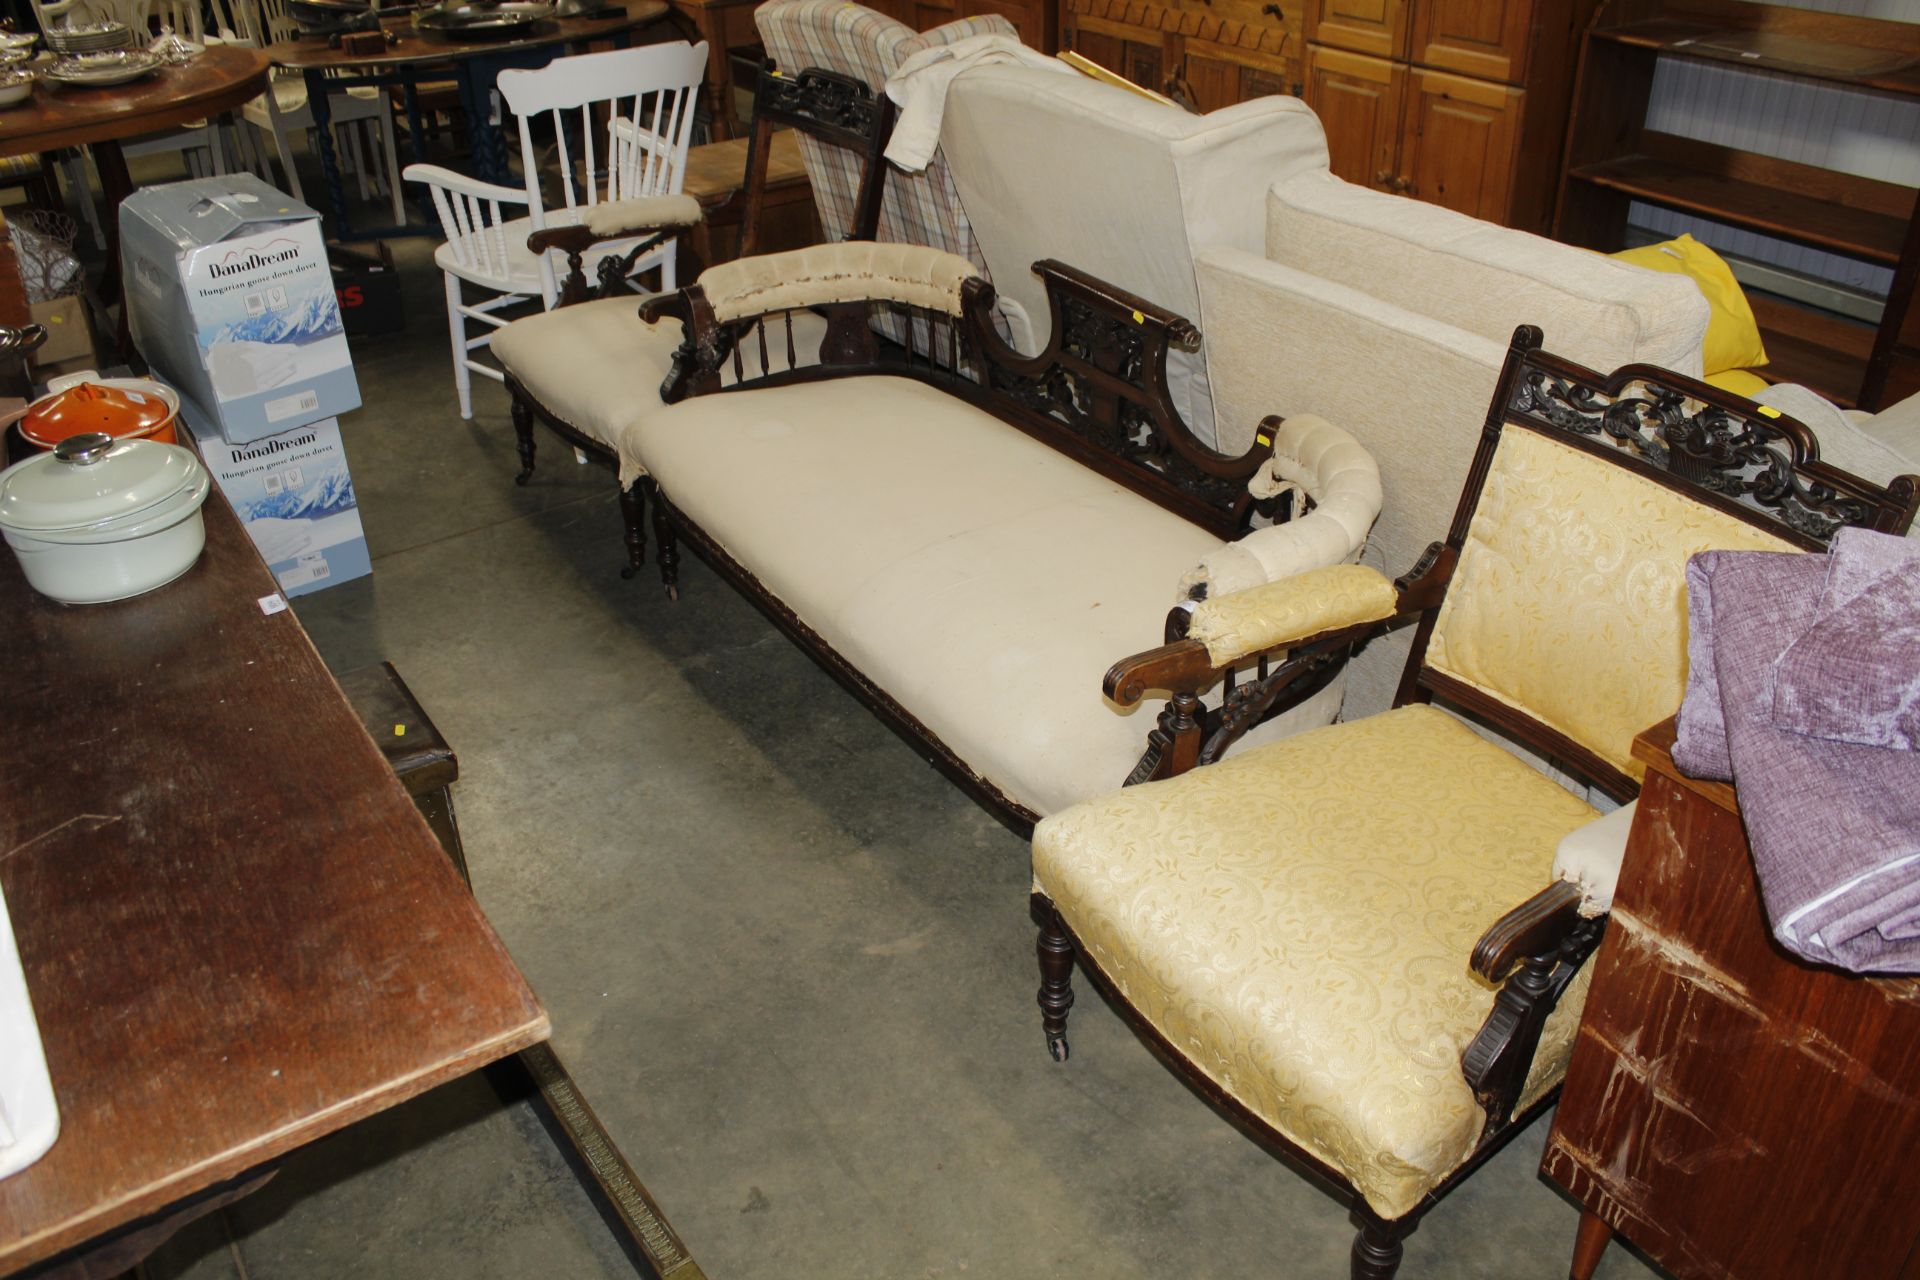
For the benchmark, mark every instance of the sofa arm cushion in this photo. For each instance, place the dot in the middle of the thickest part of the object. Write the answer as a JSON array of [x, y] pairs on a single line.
[[1590, 857], [617, 218], [851, 271], [1235, 626], [1311, 456]]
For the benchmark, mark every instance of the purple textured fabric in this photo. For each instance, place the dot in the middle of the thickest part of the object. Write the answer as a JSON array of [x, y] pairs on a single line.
[[1700, 738], [1855, 675], [1835, 826]]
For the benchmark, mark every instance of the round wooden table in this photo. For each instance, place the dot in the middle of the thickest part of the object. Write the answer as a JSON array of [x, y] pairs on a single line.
[[475, 63], [220, 79], [217, 81]]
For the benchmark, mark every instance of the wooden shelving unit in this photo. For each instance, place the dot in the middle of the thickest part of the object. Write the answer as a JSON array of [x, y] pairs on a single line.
[[1612, 159]]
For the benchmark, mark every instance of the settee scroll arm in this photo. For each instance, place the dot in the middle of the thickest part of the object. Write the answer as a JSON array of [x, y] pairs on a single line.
[[657, 219], [1533, 951]]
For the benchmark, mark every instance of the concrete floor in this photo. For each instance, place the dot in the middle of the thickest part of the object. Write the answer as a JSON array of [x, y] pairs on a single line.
[[789, 964]]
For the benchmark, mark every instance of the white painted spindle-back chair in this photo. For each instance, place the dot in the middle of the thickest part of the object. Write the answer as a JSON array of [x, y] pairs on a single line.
[[620, 123]]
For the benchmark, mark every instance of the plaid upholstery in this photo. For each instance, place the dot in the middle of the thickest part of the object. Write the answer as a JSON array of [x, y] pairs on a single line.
[[920, 208]]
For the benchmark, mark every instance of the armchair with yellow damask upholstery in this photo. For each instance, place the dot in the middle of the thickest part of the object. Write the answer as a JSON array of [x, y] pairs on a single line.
[[1352, 940]]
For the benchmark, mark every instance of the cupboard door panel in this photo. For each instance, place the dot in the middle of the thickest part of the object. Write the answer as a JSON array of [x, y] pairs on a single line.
[[1459, 146], [1377, 27], [1484, 38], [1358, 101], [1027, 15]]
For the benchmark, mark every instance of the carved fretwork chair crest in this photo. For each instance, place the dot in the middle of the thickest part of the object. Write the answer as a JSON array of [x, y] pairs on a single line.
[[1350, 940]]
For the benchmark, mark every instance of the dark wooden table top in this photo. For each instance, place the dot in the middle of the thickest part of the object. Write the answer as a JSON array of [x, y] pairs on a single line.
[[220, 79], [410, 45], [237, 931]]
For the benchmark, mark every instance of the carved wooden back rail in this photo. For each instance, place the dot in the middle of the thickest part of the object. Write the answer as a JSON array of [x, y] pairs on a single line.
[[1096, 393]]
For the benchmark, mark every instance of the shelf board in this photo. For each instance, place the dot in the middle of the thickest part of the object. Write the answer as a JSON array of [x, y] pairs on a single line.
[[1753, 206], [1814, 348], [1853, 66]]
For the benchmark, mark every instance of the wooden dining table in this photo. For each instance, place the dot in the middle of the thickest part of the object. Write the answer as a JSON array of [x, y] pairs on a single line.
[[237, 932], [412, 54]]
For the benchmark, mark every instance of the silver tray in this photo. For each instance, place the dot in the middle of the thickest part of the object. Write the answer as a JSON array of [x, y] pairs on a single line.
[[103, 70], [483, 21]]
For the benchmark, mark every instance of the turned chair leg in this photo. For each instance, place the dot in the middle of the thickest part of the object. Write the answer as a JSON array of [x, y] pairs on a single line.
[[1589, 1243], [663, 535], [523, 437], [1056, 983], [632, 503], [1377, 1246]]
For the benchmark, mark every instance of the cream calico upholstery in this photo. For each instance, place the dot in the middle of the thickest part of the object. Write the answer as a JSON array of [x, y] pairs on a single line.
[[1327, 468], [1296, 921], [598, 366], [849, 271], [981, 579], [1053, 166], [1569, 602], [1391, 317]]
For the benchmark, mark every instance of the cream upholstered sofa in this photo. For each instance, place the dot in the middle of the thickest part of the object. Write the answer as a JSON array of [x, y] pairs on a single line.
[[969, 552], [1131, 190]]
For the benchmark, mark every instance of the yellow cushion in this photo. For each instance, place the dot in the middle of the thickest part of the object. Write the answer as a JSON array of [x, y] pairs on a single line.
[[1569, 601], [1733, 339], [1297, 921], [1741, 382]]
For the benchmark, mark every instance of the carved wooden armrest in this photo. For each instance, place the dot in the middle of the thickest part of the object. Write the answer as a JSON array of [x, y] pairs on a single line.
[[1533, 952], [1315, 638], [662, 216]]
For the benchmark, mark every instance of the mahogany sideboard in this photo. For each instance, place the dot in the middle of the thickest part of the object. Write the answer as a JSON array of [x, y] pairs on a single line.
[[238, 933], [1732, 1110]]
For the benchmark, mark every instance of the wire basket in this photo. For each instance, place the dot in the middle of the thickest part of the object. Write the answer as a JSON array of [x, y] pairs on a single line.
[[43, 246]]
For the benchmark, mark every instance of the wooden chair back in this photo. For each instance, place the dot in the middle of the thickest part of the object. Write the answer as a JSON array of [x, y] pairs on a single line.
[[1563, 619], [833, 109]]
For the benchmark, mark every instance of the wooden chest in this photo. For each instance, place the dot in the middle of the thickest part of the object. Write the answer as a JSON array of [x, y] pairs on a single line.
[[1732, 1110]]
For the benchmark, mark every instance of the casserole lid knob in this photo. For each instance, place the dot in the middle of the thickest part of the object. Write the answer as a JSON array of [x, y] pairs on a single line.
[[91, 478]]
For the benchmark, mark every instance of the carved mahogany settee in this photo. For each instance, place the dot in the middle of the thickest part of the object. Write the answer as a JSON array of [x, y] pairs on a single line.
[[967, 540]]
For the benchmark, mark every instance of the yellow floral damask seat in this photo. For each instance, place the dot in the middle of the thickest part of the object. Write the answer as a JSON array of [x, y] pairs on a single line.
[[1352, 939]]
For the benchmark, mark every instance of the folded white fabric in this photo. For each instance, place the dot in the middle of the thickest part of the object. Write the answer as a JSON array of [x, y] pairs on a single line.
[[919, 89]]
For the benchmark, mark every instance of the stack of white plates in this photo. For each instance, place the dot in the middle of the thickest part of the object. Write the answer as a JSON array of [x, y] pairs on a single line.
[[97, 38], [17, 39], [103, 70]]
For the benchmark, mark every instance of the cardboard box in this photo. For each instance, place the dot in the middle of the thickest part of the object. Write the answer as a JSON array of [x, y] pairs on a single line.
[[368, 290], [230, 299], [295, 496], [69, 344]]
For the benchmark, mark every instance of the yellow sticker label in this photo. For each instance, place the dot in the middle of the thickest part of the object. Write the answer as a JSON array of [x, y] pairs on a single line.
[[1138, 318], [399, 731], [1262, 438], [1768, 411]]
